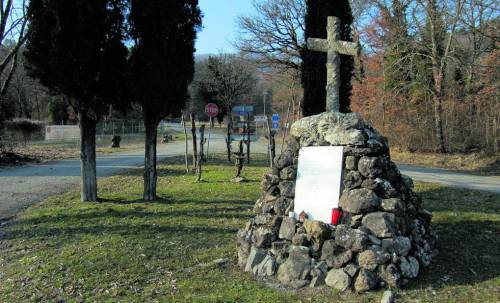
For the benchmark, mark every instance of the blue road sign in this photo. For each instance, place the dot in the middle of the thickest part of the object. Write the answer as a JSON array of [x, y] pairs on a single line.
[[276, 125], [276, 118]]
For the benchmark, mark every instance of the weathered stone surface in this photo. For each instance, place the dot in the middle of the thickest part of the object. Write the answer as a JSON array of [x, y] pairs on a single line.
[[256, 256], [359, 201], [264, 219], [328, 250], [390, 274], [287, 189], [401, 246], [388, 297], [280, 248], [300, 239], [381, 224], [287, 229], [408, 182], [338, 279], [266, 268], [284, 159], [352, 179], [370, 167], [371, 258], [298, 284], [351, 163], [339, 259], [393, 205], [263, 237], [288, 173], [351, 269], [352, 239], [297, 266], [243, 253], [365, 281], [268, 181], [318, 281], [317, 231], [409, 267]]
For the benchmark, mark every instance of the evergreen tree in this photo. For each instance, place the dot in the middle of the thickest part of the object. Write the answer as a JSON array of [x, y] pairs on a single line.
[[314, 63], [162, 61], [76, 48]]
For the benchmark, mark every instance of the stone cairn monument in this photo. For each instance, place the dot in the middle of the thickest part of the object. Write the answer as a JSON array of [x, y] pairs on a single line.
[[384, 238]]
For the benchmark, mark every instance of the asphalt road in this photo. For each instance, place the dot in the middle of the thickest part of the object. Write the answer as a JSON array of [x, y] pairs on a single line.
[[24, 186]]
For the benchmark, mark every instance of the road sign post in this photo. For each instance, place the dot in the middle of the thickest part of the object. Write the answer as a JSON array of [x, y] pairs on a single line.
[[212, 110]]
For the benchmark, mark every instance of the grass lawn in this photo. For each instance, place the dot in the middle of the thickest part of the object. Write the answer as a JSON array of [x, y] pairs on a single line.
[[126, 250]]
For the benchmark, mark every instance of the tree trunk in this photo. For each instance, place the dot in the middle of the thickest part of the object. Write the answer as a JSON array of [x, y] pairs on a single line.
[[195, 147], [150, 174], [185, 142], [88, 157], [438, 110]]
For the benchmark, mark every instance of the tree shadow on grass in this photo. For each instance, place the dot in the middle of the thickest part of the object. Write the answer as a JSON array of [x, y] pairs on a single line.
[[469, 237], [237, 212], [468, 254]]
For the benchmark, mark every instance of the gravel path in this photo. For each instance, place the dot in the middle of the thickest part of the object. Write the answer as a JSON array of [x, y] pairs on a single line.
[[23, 186]]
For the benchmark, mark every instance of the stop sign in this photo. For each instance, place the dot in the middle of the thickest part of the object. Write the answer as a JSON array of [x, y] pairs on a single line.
[[212, 110]]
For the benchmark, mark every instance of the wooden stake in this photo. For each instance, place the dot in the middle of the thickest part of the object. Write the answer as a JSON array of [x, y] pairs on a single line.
[[195, 147], [185, 141]]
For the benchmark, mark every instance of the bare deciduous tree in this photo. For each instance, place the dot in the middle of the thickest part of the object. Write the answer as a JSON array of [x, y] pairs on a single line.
[[275, 34]]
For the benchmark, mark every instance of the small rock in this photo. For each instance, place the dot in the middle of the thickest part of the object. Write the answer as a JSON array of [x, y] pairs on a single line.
[[351, 269], [287, 229], [409, 267], [318, 280], [390, 274], [300, 239], [317, 231], [263, 219], [366, 280], [393, 205], [381, 224], [370, 167], [287, 189], [266, 268], [338, 279], [352, 239], [339, 259], [263, 237], [280, 248], [351, 163], [373, 257], [352, 179], [256, 256], [296, 267], [299, 284], [388, 297], [288, 173], [359, 201], [402, 246]]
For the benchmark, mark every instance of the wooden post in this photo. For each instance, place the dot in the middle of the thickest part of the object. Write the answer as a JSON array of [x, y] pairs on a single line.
[[195, 147], [200, 158], [248, 138], [185, 141], [271, 144], [209, 137]]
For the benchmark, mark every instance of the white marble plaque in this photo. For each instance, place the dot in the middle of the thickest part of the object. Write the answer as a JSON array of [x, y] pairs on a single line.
[[319, 177]]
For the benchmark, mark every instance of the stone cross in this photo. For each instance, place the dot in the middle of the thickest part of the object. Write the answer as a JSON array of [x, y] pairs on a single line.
[[334, 47]]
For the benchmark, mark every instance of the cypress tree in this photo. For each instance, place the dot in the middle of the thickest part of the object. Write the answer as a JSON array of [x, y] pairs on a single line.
[[76, 48], [314, 63], [162, 61]]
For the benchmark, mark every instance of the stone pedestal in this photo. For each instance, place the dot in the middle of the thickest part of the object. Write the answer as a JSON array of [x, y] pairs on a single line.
[[385, 238]]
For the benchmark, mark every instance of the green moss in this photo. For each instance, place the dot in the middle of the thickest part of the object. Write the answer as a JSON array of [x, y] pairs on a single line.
[[126, 250]]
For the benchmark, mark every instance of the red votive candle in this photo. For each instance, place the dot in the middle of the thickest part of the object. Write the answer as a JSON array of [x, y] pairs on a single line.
[[336, 215]]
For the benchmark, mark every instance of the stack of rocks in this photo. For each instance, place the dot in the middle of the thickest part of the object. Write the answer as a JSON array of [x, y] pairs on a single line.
[[385, 239]]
